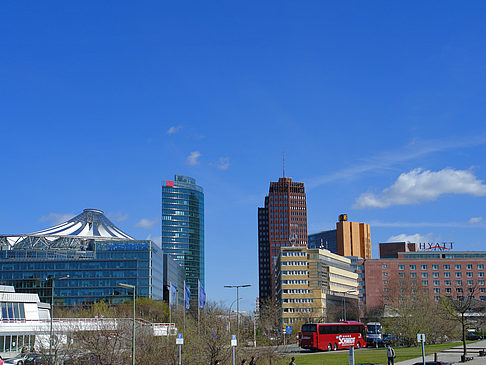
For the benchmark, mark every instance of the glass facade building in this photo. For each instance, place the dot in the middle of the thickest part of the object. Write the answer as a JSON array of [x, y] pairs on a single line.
[[88, 248], [94, 273], [183, 227], [325, 240]]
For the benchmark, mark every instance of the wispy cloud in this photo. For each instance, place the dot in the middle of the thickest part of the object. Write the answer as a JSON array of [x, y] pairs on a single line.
[[118, 216], [402, 224], [475, 220], [415, 238], [56, 218], [173, 129], [223, 163], [193, 158], [388, 159], [418, 186], [146, 223]]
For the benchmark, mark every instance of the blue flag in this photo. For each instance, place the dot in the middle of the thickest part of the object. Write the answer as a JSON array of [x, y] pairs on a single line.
[[172, 294], [201, 295], [187, 296]]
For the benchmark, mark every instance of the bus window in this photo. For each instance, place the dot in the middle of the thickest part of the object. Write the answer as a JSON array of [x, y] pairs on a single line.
[[309, 328]]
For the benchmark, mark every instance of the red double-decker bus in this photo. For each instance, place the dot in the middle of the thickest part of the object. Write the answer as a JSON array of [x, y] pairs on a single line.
[[332, 336]]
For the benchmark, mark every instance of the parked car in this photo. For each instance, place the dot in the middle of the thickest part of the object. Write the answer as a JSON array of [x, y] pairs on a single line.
[[36, 359], [375, 342], [433, 363], [392, 340], [17, 360], [471, 336]]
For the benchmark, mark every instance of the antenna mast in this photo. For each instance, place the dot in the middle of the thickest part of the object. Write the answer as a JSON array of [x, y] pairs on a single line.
[[283, 163]]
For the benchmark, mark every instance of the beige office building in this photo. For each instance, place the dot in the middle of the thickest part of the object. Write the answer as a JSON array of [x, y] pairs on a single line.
[[312, 283], [353, 238]]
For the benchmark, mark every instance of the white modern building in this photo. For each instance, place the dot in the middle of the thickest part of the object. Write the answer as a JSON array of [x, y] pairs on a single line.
[[26, 323]]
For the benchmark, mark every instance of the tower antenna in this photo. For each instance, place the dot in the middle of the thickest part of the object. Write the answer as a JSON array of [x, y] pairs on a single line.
[[283, 163]]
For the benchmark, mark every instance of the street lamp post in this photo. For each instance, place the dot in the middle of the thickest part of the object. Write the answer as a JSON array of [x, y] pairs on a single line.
[[52, 310], [133, 289], [229, 313], [237, 307], [344, 301]]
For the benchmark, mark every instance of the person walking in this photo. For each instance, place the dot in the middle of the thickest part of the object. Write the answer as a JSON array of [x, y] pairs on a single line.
[[292, 362], [252, 361], [390, 354]]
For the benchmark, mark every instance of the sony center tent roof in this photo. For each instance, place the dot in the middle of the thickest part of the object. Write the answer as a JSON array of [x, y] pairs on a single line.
[[91, 224]]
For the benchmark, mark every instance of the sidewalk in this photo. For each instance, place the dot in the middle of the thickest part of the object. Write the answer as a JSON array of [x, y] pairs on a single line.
[[453, 357]]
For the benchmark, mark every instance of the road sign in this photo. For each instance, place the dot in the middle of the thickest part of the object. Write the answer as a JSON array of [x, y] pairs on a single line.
[[420, 337], [233, 340], [179, 339], [288, 330]]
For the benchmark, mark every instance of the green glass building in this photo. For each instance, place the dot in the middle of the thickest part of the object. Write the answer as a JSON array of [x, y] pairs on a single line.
[[183, 227]]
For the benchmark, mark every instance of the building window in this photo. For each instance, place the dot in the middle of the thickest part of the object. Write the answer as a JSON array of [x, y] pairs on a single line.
[[435, 274], [413, 274], [401, 274], [401, 267], [385, 273], [480, 266], [437, 298], [447, 267], [447, 282], [385, 282], [412, 267], [384, 266], [447, 274], [435, 267], [470, 282], [458, 266], [469, 267], [459, 290], [480, 282], [425, 282], [459, 282], [480, 274], [469, 274], [437, 290], [425, 275], [458, 274], [436, 282], [448, 290], [423, 267]]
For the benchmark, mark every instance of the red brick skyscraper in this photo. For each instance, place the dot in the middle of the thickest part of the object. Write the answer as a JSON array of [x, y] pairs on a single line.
[[281, 223]]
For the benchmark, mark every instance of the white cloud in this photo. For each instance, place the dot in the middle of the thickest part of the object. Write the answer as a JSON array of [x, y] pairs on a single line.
[[475, 220], [56, 218], [414, 238], [223, 163], [146, 223], [193, 158], [157, 240], [118, 216], [173, 129], [418, 186]]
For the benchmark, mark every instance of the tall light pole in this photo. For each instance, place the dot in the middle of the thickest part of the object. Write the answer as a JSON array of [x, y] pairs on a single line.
[[133, 289], [229, 313], [52, 310], [237, 307], [344, 300]]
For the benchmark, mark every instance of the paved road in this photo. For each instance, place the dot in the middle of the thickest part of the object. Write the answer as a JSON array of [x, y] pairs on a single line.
[[454, 357]]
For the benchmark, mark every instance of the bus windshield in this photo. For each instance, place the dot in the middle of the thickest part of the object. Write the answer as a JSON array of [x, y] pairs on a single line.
[[374, 329]]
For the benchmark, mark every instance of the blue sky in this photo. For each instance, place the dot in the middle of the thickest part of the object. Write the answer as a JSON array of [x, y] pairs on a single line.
[[378, 106]]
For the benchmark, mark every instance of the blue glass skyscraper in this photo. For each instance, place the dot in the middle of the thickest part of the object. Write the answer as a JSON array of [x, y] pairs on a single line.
[[183, 227]]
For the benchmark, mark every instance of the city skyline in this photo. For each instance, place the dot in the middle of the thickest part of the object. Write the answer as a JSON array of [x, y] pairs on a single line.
[[378, 107]]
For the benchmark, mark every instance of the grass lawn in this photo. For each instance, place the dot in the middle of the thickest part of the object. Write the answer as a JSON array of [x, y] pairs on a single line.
[[374, 356]]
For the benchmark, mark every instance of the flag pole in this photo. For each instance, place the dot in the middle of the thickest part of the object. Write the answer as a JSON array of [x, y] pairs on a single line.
[[198, 310], [184, 306]]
